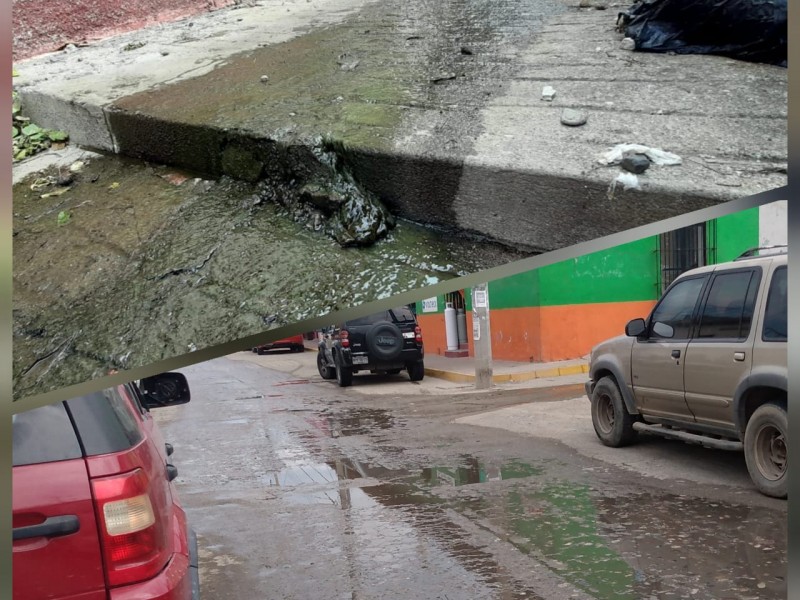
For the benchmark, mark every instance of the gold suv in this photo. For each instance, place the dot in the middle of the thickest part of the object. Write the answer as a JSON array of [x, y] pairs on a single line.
[[707, 366]]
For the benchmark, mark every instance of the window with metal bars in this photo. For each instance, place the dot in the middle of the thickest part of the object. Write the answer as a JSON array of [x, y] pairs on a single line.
[[684, 249]]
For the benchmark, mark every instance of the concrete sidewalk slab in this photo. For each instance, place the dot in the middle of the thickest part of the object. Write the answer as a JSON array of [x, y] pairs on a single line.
[[570, 422], [436, 107]]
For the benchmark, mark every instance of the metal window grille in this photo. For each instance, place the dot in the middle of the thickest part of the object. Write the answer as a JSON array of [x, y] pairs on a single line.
[[457, 298], [684, 249]]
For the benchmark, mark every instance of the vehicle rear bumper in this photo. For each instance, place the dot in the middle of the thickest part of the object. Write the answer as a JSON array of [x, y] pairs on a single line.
[[179, 580], [173, 583], [406, 357]]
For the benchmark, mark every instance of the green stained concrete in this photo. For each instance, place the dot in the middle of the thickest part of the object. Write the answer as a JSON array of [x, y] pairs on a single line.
[[565, 530], [334, 81]]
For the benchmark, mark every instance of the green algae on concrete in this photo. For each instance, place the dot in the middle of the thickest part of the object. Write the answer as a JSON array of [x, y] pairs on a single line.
[[335, 81]]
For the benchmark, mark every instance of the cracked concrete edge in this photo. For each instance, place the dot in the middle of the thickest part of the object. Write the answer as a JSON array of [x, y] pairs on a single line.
[[86, 123]]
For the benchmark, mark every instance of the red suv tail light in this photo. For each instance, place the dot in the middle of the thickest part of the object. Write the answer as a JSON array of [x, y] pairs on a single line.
[[135, 540], [418, 334], [344, 336]]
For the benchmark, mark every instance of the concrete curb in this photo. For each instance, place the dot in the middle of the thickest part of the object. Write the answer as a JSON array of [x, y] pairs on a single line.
[[513, 173], [510, 377]]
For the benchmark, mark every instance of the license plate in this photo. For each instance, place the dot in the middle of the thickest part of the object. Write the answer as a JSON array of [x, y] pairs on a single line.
[[409, 335], [360, 360]]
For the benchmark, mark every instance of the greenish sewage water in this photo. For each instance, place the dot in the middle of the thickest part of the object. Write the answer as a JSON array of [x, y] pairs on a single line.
[[135, 263]]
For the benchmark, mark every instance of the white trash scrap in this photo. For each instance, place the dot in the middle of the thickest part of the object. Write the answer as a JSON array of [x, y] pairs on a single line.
[[628, 181], [657, 156]]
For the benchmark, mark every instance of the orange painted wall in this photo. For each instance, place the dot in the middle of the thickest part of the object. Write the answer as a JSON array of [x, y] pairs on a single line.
[[433, 332], [516, 334], [543, 334], [571, 331]]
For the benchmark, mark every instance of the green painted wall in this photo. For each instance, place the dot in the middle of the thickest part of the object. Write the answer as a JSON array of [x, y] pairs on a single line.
[[621, 274], [517, 291], [736, 233], [626, 273]]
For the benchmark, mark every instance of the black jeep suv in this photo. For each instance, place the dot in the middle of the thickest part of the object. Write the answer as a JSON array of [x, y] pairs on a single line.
[[385, 342]]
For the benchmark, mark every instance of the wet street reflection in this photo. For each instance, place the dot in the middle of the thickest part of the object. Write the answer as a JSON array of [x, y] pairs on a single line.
[[325, 494]]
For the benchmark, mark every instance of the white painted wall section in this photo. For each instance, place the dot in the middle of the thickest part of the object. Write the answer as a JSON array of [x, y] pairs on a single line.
[[773, 228]]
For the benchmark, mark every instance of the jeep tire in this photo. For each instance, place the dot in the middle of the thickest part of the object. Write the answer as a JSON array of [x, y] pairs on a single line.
[[612, 422], [344, 375], [765, 450], [325, 371], [416, 370]]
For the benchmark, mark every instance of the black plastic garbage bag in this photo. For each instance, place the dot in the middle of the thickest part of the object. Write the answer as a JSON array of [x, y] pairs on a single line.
[[752, 30]]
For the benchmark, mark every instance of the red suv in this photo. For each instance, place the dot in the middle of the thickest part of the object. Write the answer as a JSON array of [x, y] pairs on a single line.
[[294, 343], [95, 515]]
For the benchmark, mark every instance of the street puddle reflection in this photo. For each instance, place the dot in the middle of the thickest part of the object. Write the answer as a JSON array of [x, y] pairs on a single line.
[[476, 471], [359, 422], [624, 547], [301, 474]]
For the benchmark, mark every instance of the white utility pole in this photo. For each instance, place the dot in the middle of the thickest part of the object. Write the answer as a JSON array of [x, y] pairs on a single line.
[[482, 337]]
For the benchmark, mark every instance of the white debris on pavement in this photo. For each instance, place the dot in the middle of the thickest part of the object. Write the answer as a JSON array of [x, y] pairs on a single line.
[[657, 156], [628, 181], [548, 93]]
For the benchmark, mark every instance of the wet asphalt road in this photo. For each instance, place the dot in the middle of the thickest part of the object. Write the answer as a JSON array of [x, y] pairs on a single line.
[[299, 489]]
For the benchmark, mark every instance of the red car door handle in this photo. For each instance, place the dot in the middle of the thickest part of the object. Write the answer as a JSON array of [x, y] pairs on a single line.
[[52, 527]]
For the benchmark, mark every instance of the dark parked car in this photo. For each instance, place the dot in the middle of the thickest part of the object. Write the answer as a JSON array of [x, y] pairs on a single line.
[[294, 343], [385, 342], [95, 515]]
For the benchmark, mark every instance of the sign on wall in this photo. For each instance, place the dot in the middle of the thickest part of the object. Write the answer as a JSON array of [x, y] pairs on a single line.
[[430, 304], [480, 298]]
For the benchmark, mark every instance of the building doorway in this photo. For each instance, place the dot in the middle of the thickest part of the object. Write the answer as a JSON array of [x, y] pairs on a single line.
[[457, 300]]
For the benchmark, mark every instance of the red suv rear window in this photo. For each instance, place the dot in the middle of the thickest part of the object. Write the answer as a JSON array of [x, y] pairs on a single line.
[[105, 422], [43, 435]]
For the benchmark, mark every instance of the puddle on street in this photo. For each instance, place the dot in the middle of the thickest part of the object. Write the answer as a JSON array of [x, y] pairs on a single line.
[[139, 268], [355, 421], [627, 547], [420, 514], [477, 472]]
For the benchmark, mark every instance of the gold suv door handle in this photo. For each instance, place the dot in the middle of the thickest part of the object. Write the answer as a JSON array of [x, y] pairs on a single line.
[[738, 356]]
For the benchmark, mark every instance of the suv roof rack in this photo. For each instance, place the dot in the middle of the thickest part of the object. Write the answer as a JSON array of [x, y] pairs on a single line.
[[756, 252]]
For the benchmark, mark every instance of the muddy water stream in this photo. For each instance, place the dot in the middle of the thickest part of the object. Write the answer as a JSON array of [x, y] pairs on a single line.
[[131, 263]]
